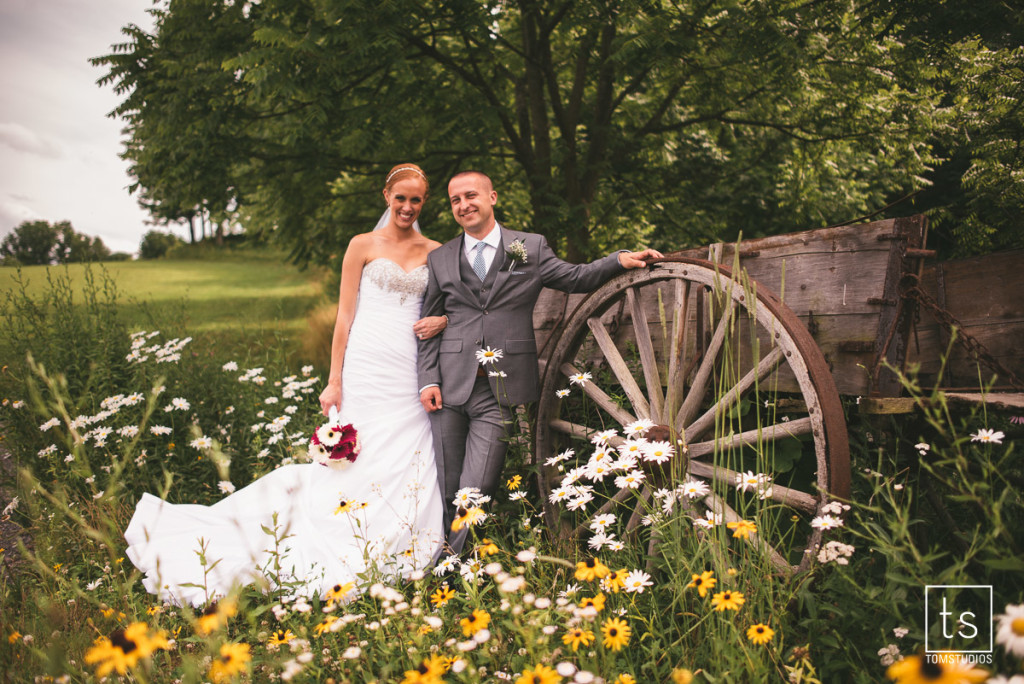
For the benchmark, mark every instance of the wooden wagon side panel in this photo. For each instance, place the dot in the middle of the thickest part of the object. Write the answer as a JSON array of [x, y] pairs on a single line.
[[985, 294]]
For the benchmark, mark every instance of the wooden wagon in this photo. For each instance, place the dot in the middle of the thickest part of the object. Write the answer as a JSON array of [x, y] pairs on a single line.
[[735, 357]]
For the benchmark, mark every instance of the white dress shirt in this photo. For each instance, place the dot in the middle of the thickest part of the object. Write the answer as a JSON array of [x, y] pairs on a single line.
[[493, 242]]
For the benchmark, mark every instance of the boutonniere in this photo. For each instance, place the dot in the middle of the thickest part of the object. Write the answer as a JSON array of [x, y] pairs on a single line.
[[516, 251]]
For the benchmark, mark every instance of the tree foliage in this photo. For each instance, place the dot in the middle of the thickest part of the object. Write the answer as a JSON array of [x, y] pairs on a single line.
[[155, 244], [35, 243], [603, 122]]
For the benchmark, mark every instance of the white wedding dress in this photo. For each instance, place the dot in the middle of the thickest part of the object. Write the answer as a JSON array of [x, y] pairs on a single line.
[[392, 524]]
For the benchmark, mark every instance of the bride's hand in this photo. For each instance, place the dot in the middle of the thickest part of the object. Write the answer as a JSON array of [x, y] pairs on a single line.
[[331, 396], [425, 328]]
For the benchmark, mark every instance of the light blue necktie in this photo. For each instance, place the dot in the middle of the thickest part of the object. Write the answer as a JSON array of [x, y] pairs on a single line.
[[478, 261]]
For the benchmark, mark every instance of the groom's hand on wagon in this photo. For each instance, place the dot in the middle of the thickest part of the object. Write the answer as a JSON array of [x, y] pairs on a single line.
[[638, 259], [430, 397]]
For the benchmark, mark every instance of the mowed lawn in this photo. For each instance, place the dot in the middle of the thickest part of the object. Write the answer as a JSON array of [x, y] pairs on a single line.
[[232, 297]]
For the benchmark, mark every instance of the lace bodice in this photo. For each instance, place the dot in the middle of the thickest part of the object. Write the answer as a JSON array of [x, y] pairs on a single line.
[[390, 277]]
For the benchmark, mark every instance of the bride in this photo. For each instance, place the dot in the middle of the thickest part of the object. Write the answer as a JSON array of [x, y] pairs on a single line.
[[383, 513]]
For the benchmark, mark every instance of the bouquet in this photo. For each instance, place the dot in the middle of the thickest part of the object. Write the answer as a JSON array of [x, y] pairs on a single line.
[[334, 445]]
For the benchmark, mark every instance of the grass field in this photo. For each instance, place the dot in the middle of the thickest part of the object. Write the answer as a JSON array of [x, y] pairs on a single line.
[[233, 298]]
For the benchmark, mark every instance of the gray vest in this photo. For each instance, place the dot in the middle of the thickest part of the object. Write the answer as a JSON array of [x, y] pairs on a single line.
[[480, 289]]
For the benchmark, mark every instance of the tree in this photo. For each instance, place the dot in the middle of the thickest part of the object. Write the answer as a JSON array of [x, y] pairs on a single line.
[[32, 243], [603, 122], [36, 243], [156, 244]]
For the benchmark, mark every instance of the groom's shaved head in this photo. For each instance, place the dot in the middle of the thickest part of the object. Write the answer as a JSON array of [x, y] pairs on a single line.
[[480, 174]]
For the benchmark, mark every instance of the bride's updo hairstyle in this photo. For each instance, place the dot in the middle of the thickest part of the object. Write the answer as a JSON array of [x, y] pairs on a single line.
[[404, 172]]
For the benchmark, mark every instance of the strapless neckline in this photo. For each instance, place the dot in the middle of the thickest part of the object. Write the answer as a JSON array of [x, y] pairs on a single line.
[[398, 265]]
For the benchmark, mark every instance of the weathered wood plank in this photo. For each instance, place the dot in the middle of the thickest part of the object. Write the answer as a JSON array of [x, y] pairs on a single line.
[[984, 294]]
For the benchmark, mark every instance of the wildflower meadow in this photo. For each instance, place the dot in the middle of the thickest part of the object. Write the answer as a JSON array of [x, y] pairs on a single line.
[[98, 409]]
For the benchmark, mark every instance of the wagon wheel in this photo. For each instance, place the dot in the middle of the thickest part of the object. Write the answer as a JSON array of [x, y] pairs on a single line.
[[731, 380]]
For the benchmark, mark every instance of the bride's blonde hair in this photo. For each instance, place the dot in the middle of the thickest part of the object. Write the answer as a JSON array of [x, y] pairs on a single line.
[[404, 171]]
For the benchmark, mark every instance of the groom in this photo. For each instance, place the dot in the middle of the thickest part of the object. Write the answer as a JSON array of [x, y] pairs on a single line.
[[487, 282]]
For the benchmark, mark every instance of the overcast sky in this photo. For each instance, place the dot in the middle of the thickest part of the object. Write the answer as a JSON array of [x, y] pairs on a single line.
[[58, 149]]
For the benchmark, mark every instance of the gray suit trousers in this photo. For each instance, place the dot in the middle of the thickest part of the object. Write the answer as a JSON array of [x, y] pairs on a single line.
[[470, 441]]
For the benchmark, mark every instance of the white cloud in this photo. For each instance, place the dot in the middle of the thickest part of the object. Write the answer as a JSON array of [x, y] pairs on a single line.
[[19, 138], [58, 149]]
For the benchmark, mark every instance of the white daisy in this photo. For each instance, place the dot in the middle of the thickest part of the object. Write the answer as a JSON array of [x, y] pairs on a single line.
[[160, 429], [987, 436], [636, 581], [826, 522], [488, 355], [1010, 633], [601, 522], [446, 565], [638, 427], [562, 393], [226, 486], [694, 489], [180, 404], [580, 379], [603, 436], [202, 442], [657, 452], [632, 479], [565, 455]]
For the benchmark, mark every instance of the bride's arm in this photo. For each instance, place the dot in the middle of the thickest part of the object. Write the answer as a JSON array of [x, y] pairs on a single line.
[[351, 272]]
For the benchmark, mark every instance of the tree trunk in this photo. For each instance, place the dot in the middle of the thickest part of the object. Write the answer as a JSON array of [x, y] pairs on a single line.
[[220, 233], [192, 229]]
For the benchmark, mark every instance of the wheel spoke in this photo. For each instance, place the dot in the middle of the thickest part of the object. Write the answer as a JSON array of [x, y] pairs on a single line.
[[766, 366], [699, 387], [619, 368], [678, 349], [646, 348], [720, 507], [792, 428], [794, 498], [573, 429], [600, 398]]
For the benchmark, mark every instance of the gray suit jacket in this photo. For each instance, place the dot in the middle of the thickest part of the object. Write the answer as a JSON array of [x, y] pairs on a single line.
[[501, 319]]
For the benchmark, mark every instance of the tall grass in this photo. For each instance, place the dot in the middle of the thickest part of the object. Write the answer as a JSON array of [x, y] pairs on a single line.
[[554, 609]]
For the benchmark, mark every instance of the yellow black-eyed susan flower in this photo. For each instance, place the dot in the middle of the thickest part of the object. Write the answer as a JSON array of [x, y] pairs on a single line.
[[215, 616], [477, 620], [596, 601], [233, 660], [514, 482], [703, 582], [339, 591], [468, 517], [614, 580], [542, 674], [442, 596], [918, 669], [727, 600], [680, 675], [124, 648], [577, 637], [280, 637], [324, 625], [616, 633], [487, 548], [429, 671], [624, 678], [742, 529], [760, 633], [590, 570]]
